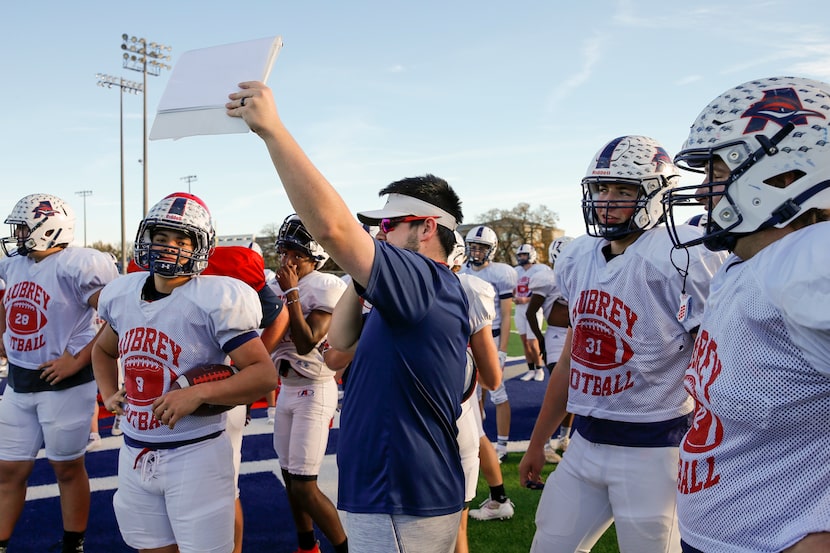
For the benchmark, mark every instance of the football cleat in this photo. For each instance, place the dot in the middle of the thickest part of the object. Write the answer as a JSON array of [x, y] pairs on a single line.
[[490, 509]]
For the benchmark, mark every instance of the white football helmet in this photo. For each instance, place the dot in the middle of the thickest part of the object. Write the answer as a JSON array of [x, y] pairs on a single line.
[[762, 130], [185, 213], [485, 236], [256, 247], [526, 254], [635, 160], [556, 248], [48, 220], [458, 255], [294, 236]]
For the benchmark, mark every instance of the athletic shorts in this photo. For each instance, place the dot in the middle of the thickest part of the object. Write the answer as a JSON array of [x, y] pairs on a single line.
[[235, 426], [183, 495], [58, 420], [301, 425], [520, 320], [382, 533], [468, 441]]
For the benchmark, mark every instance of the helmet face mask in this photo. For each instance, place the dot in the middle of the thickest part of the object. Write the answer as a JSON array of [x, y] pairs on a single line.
[[772, 137], [294, 236], [636, 161], [177, 213], [39, 222], [485, 241]]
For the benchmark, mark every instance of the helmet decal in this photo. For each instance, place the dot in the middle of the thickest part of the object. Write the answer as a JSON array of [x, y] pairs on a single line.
[[780, 106]]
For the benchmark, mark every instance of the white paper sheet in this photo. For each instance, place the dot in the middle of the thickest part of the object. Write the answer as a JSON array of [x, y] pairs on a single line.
[[194, 101]]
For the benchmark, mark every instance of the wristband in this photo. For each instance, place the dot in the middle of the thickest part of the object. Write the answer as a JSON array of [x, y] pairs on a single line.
[[294, 289]]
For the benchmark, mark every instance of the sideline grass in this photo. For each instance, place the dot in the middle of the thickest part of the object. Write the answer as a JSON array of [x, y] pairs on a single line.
[[516, 534]]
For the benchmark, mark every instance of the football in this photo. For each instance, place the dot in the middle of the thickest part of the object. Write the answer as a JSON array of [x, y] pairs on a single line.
[[210, 372]]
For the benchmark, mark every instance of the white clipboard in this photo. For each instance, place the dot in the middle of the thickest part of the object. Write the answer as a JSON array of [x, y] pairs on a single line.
[[194, 101]]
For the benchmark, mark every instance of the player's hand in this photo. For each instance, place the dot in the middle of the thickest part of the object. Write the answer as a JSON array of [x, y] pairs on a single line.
[[115, 403], [172, 406], [530, 467], [287, 276], [258, 109], [59, 369], [502, 359]]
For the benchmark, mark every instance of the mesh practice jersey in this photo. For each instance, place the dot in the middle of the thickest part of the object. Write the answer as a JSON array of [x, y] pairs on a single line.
[[524, 274], [544, 284], [159, 340], [480, 299], [755, 465], [629, 350], [318, 292], [47, 309], [502, 278]]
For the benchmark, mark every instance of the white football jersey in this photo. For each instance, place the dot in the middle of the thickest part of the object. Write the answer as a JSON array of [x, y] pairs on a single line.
[[318, 292], [47, 309], [501, 277], [544, 284], [524, 274], [480, 296], [755, 466], [159, 340], [630, 350]]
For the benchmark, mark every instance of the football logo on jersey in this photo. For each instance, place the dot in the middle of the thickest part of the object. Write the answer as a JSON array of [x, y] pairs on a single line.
[[599, 337], [145, 352], [25, 318], [26, 304], [780, 106], [143, 379], [706, 432]]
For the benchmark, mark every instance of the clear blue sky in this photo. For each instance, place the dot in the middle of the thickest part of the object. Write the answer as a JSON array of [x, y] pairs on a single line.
[[506, 100]]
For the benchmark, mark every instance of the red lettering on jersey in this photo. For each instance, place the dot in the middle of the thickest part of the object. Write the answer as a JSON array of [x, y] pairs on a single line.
[[142, 420], [691, 480], [608, 307], [706, 432], [29, 291], [600, 385], [150, 340], [27, 344]]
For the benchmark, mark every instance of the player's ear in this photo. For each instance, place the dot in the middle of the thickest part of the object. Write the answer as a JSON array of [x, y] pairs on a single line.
[[429, 228]]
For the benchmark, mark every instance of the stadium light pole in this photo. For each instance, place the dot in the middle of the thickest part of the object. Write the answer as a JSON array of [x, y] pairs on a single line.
[[146, 57], [109, 81], [84, 194], [189, 179]]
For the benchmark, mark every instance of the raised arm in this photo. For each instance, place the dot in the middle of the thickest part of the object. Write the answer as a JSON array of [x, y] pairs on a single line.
[[315, 200]]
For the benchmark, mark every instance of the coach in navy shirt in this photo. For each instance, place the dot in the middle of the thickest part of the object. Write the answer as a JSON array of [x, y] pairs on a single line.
[[401, 482]]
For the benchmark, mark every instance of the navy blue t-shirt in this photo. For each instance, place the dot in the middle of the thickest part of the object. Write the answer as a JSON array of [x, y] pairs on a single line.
[[397, 448]]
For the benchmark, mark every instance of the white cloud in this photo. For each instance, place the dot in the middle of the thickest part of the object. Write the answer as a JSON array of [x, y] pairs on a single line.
[[591, 54]]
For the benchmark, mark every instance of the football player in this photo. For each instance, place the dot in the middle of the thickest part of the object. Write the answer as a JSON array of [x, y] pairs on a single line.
[[308, 391], [175, 472], [49, 307], [632, 314], [526, 269], [543, 295], [755, 466], [481, 244]]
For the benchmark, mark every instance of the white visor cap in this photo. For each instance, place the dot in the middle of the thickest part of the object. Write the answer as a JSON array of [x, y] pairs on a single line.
[[400, 205]]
